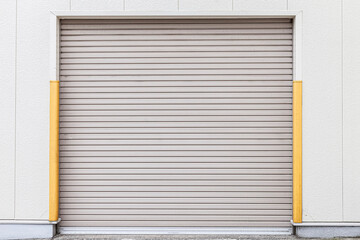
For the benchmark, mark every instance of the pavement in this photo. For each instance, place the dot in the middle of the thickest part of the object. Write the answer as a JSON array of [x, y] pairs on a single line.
[[181, 237]]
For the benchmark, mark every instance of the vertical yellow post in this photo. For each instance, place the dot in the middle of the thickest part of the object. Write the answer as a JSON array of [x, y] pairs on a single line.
[[54, 152], [297, 151]]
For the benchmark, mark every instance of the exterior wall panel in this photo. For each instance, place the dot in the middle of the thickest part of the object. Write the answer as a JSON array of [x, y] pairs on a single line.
[[151, 5], [351, 96], [7, 106], [205, 5], [260, 5], [97, 5], [322, 109], [32, 108]]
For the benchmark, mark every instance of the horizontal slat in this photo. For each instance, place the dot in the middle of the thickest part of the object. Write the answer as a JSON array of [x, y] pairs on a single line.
[[177, 206], [92, 43], [177, 142], [180, 66], [223, 201], [176, 148], [98, 116], [174, 211], [177, 159], [183, 84], [105, 130], [277, 225], [189, 108], [144, 26], [231, 31], [163, 153], [175, 96], [194, 112], [195, 177], [175, 188], [178, 49], [173, 183], [225, 90], [171, 21], [172, 218], [182, 171], [169, 101], [174, 72], [174, 224], [194, 36], [175, 118], [157, 166], [174, 78], [192, 54], [177, 124], [69, 61], [165, 136], [196, 194]]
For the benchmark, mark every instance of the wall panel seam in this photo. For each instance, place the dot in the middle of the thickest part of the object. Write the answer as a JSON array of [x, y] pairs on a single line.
[[342, 109], [15, 132]]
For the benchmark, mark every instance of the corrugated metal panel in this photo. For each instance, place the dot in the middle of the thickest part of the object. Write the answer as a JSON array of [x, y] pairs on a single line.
[[176, 123]]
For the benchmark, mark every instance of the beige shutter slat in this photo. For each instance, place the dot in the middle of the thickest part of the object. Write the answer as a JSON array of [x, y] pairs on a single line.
[[178, 31], [175, 66], [253, 42], [257, 89], [175, 194], [190, 107], [176, 200], [145, 112], [175, 21], [176, 159], [177, 54], [183, 177], [176, 123], [176, 26], [175, 130]]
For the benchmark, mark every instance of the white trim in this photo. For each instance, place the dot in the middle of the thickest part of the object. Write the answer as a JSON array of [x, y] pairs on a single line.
[[128, 14], [40, 222], [297, 44], [54, 47], [176, 230], [326, 224]]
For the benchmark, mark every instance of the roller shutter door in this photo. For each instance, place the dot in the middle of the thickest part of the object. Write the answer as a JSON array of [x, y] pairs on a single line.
[[176, 123]]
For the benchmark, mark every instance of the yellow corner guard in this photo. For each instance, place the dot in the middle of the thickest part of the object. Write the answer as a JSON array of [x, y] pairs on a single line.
[[54, 152], [297, 151]]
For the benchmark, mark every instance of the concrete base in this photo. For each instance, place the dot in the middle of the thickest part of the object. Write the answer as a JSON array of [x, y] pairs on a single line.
[[24, 231], [327, 231]]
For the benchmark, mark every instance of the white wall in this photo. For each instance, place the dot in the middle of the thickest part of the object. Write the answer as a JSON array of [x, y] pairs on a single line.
[[351, 100], [331, 133], [322, 109], [7, 107], [32, 107]]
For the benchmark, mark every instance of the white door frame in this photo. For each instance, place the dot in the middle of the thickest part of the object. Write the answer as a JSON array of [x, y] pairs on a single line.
[[56, 16]]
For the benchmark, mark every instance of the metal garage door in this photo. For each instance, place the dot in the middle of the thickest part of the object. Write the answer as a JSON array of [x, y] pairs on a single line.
[[176, 123]]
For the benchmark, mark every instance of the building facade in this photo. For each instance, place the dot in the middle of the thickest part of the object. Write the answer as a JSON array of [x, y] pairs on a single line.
[[180, 116]]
